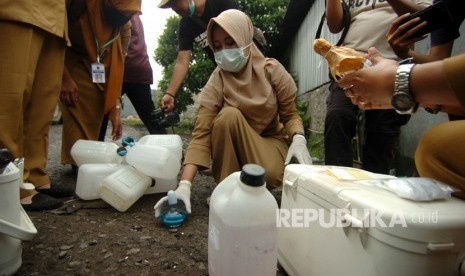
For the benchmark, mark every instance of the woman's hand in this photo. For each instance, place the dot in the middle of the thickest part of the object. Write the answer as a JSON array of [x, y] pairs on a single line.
[[115, 119], [69, 90]]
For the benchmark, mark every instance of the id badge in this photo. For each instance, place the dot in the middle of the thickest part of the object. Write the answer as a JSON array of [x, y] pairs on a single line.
[[98, 73]]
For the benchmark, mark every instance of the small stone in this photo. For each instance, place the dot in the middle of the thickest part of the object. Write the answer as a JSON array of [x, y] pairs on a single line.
[[74, 264], [133, 251], [66, 247], [62, 254]]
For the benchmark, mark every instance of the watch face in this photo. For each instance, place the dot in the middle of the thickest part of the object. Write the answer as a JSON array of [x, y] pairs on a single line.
[[402, 102]]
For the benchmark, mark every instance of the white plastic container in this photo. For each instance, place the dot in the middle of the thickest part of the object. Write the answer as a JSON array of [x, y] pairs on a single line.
[[242, 229], [15, 225], [90, 178], [93, 152], [161, 185], [124, 187], [173, 142], [353, 228], [154, 161], [9, 191]]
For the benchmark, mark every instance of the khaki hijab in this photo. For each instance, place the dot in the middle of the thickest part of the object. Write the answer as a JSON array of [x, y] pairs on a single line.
[[249, 90]]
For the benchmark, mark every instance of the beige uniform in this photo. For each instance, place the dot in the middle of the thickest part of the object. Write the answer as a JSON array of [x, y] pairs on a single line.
[[441, 152], [33, 37]]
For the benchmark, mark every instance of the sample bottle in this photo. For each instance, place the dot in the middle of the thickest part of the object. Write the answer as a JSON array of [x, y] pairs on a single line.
[[242, 229], [174, 216]]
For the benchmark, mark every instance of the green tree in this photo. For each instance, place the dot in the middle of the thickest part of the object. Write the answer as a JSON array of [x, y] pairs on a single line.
[[265, 14]]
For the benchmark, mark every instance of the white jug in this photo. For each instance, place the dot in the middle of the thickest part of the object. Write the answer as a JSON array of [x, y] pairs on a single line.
[[90, 178], [124, 187], [88, 151], [154, 161], [242, 229], [173, 142]]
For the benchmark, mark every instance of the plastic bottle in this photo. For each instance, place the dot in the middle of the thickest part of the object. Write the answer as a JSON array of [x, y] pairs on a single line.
[[172, 142], [154, 161], [93, 152], [173, 217], [242, 229]]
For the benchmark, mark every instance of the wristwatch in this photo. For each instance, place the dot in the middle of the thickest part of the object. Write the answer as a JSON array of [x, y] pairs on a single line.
[[402, 100]]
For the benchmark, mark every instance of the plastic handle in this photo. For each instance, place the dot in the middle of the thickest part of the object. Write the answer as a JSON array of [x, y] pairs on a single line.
[[354, 222]]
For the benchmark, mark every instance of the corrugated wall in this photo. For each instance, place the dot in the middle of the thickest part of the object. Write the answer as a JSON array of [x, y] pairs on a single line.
[[309, 68]]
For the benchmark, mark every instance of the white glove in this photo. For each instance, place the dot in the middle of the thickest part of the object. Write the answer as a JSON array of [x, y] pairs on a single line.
[[183, 192], [299, 151]]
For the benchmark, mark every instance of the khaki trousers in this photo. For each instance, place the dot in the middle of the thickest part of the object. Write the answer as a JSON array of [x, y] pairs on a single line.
[[83, 120], [441, 154], [30, 81], [235, 143]]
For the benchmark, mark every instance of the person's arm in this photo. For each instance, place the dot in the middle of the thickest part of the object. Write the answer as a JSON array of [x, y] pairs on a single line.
[[405, 6], [334, 16], [189, 172], [373, 87], [115, 118], [181, 68]]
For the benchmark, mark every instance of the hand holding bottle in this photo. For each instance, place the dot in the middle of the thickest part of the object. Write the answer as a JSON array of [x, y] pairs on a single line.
[[183, 192]]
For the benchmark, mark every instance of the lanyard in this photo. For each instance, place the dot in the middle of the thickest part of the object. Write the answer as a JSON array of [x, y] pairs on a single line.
[[108, 43]]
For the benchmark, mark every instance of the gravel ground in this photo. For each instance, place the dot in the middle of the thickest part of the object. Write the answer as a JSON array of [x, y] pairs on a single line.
[[92, 238]]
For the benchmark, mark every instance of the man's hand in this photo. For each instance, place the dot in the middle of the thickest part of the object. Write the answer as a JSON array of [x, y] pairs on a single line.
[[399, 34], [168, 102]]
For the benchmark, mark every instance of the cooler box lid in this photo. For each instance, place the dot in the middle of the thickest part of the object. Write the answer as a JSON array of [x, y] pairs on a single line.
[[407, 224]]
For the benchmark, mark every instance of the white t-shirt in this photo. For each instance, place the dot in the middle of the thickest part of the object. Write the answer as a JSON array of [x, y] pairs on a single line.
[[370, 21]]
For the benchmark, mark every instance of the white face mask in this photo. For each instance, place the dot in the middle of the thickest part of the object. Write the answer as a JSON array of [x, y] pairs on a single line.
[[232, 60]]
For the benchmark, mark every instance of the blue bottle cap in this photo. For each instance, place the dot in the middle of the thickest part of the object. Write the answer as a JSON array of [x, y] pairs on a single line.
[[122, 151], [128, 141]]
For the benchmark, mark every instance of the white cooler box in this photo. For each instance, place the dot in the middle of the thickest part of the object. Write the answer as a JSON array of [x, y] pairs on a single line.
[[331, 227]]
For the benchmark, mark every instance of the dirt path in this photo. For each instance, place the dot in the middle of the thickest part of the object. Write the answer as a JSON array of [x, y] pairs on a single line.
[[92, 238]]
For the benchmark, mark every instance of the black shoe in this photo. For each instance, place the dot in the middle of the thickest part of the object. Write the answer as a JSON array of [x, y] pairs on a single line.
[[58, 191], [42, 202]]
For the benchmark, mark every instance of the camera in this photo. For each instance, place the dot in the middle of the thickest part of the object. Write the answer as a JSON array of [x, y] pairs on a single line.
[[161, 119]]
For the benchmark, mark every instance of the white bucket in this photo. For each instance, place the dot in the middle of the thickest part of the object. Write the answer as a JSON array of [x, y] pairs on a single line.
[[90, 178], [173, 142], [154, 161], [124, 187], [242, 229], [87, 151], [15, 224], [9, 194]]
